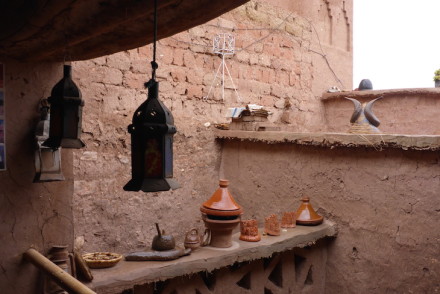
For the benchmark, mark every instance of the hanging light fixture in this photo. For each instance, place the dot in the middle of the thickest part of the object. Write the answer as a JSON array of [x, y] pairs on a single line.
[[65, 113], [152, 131]]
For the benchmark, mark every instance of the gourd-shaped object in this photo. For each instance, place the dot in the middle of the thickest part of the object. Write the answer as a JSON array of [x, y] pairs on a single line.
[[162, 242]]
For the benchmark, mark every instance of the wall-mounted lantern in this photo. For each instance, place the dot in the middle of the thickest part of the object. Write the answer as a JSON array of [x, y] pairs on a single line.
[[152, 131], [47, 160], [65, 114]]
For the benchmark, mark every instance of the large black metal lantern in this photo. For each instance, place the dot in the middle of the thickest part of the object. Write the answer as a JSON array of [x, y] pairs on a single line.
[[152, 133], [65, 113]]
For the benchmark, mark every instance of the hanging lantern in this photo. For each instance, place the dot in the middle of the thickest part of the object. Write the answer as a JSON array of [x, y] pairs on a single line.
[[66, 113], [152, 131], [47, 160]]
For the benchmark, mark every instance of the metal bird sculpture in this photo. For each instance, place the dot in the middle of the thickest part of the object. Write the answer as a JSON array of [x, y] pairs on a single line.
[[363, 120]]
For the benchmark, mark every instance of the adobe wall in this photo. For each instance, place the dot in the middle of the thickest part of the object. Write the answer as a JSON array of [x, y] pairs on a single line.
[[37, 215], [278, 64], [400, 111], [385, 204]]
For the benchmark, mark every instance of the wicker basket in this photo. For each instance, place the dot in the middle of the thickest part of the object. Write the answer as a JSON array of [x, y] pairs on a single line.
[[102, 259]]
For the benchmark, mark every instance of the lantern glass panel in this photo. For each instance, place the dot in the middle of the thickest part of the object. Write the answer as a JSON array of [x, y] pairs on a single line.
[[168, 156], [153, 158]]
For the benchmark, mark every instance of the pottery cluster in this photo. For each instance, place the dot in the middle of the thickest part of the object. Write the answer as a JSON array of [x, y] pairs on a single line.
[[221, 215]]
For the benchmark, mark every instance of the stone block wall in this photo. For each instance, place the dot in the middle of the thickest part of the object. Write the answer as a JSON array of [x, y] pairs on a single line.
[[274, 65]]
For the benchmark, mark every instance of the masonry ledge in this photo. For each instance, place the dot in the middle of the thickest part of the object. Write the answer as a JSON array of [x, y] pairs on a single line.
[[417, 92], [127, 274], [332, 140]]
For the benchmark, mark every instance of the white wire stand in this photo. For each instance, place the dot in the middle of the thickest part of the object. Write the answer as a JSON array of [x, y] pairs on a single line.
[[223, 45]]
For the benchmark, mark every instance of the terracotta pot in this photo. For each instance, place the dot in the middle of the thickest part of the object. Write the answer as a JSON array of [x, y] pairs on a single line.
[[221, 202], [288, 220], [272, 225], [220, 231], [221, 215], [306, 215], [249, 231]]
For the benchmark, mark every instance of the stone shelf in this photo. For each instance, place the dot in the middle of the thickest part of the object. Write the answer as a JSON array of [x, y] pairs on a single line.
[[331, 140], [127, 274]]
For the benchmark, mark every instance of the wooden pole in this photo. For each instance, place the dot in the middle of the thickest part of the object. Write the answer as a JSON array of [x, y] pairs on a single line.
[[62, 278]]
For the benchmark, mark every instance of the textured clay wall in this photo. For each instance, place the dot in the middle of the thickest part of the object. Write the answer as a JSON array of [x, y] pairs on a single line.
[[274, 66], [400, 111], [385, 204], [35, 215]]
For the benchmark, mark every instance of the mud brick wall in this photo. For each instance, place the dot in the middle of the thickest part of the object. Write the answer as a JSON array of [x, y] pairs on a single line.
[[37, 215], [385, 203], [274, 65]]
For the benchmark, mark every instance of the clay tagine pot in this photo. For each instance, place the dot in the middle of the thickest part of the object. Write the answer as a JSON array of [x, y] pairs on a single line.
[[306, 215], [288, 220], [272, 225], [249, 231], [221, 215]]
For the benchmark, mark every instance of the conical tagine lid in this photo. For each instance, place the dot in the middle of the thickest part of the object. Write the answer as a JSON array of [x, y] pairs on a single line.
[[221, 202], [306, 215]]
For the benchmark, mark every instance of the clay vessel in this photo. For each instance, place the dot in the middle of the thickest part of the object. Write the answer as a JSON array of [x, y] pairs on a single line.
[[288, 220], [60, 256], [192, 239], [221, 202], [220, 231], [306, 215], [221, 215], [272, 225], [162, 242], [249, 231]]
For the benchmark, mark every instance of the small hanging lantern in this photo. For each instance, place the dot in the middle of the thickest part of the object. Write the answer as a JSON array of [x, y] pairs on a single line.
[[47, 160], [66, 113], [152, 131]]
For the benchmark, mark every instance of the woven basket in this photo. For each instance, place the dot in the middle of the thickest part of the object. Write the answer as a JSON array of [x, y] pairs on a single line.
[[102, 259]]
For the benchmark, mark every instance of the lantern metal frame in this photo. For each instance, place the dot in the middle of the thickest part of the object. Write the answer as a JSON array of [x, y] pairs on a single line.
[[66, 113], [47, 160]]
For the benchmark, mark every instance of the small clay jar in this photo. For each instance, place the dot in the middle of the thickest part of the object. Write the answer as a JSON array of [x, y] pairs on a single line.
[[272, 225], [192, 239], [249, 231], [288, 220], [306, 215]]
